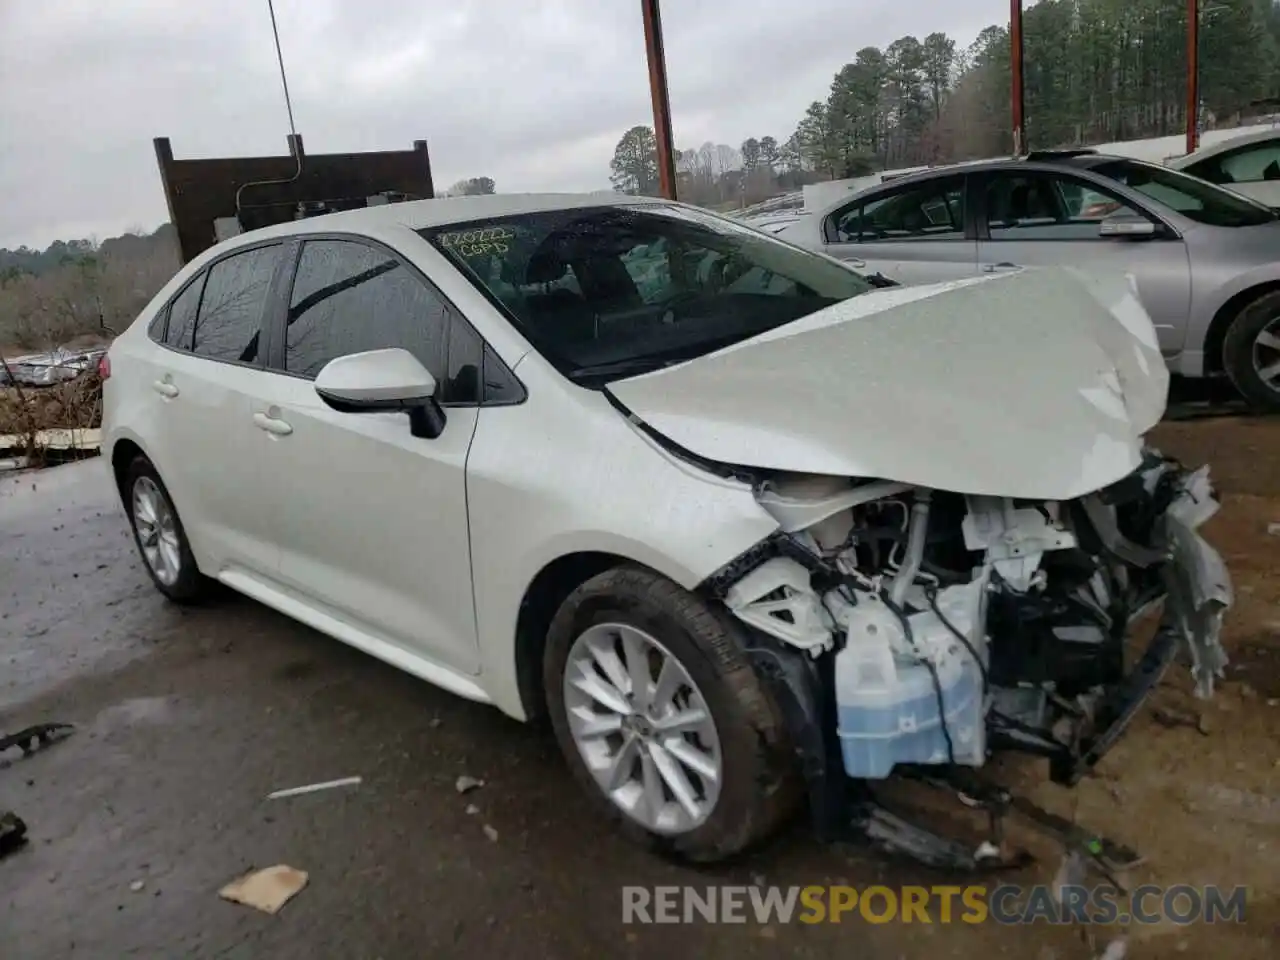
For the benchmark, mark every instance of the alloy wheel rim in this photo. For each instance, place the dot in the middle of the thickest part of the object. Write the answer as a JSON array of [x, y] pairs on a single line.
[[643, 728], [1266, 354], [157, 527]]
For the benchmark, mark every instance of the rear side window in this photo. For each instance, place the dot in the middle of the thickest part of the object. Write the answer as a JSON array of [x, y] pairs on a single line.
[[231, 309], [349, 297], [933, 210], [182, 315]]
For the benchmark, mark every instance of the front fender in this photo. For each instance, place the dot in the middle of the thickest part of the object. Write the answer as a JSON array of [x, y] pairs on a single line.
[[537, 493]]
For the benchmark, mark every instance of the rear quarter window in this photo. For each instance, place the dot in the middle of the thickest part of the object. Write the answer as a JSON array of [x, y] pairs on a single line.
[[182, 315]]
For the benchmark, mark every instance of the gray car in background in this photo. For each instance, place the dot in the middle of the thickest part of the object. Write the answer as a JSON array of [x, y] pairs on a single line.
[[1206, 260]]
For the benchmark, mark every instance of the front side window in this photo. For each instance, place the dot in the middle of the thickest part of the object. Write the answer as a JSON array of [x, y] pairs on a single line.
[[1047, 206], [235, 296], [933, 210], [1192, 197], [605, 292], [349, 297]]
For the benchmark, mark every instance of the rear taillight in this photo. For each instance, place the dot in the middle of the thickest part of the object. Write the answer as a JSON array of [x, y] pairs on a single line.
[[104, 366]]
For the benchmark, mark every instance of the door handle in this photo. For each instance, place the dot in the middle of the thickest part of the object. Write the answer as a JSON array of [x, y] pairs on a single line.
[[165, 389], [273, 425], [993, 267]]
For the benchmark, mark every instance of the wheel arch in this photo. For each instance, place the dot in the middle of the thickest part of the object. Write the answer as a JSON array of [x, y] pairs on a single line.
[[548, 589], [125, 447], [123, 453], [1216, 336]]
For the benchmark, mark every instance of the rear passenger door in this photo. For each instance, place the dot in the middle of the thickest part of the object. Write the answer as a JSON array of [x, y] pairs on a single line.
[[371, 521], [915, 233], [201, 391]]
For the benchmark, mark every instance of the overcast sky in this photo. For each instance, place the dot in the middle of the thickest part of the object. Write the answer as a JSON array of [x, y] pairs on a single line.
[[533, 93]]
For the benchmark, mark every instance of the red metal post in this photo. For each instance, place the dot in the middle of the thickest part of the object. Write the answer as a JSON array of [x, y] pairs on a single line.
[[661, 97], [1015, 86], [1193, 75]]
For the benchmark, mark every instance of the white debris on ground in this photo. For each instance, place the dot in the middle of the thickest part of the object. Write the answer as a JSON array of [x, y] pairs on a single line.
[[267, 890], [466, 784], [314, 788]]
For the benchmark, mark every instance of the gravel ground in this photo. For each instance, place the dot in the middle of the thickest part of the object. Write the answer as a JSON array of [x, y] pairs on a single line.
[[187, 719]]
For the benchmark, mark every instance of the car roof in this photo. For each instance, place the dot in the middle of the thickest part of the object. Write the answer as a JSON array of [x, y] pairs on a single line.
[[1046, 160], [425, 214]]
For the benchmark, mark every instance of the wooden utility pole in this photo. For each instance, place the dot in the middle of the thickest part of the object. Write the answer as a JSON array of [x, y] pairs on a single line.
[[1015, 85], [661, 97], [1193, 75]]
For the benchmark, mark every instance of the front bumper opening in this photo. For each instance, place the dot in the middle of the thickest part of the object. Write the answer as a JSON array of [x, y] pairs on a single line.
[[1132, 548]]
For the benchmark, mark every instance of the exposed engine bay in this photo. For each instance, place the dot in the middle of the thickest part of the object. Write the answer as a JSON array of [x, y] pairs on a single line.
[[937, 628]]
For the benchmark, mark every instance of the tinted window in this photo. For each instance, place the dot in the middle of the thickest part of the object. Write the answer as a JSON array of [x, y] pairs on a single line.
[[349, 297], [604, 292], [1251, 164], [1045, 206], [1190, 196], [233, 302], [182, 315], [933, 210], [155, 329]]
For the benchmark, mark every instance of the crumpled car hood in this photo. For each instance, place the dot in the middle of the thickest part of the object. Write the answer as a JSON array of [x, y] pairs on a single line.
[[1036, 384]]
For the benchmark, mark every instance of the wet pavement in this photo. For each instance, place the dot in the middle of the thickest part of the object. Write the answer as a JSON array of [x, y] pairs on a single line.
[[187, 719]]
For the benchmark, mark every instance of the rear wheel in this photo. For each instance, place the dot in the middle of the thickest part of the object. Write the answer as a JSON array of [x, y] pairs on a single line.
[[161, 539], [663, 720], [1251, 352]]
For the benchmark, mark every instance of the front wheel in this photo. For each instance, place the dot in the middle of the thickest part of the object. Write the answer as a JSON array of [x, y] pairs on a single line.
[[1251, 352], [663, 720]]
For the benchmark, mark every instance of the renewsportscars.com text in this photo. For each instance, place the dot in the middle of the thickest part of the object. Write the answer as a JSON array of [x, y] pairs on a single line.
[[1006, 904]]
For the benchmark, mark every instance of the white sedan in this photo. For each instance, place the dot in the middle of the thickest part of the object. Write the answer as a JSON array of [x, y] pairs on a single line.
[[740, 524]]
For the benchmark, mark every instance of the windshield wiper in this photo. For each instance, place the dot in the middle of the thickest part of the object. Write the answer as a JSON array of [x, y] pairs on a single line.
[[627, 367]]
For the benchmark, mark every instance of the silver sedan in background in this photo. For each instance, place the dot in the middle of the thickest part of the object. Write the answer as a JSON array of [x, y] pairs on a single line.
[[1206, 260]]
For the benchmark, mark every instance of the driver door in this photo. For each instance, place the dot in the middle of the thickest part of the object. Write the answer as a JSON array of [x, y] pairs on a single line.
[[370, 521], [1032, 218]]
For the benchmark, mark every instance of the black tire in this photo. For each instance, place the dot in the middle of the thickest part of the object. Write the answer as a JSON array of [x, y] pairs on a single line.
[[1237, 351], [761, 786], [191, 586]]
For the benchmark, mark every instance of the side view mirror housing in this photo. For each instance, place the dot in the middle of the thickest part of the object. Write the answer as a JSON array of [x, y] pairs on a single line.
[[1126, 226], [383, 380]]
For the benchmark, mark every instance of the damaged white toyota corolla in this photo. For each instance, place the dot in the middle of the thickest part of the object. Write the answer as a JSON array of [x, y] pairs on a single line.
[[746, 528]]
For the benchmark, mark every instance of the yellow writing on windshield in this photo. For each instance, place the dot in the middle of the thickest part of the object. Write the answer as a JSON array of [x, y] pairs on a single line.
[[478, 243]]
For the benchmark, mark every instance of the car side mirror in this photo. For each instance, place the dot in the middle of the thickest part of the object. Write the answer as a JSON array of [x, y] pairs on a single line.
[[383, 380], [1126, 226]]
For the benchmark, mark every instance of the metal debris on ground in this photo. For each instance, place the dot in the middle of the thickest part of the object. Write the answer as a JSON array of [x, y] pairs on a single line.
[[472, 809], [35, 737], [491, 833], [466, 784], [13, 832], [267, 890], [54, 366], [1171, 717], [314, 788], [137, 886]]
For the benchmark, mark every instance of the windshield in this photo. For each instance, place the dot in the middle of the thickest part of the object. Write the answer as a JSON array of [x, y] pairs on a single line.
[[611, 291], [1190, 196]]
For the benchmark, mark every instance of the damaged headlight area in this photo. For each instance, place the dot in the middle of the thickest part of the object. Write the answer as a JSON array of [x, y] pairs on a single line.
[[912, 628]]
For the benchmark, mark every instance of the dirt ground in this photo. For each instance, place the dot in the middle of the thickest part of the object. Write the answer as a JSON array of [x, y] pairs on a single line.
[[187, 719]]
